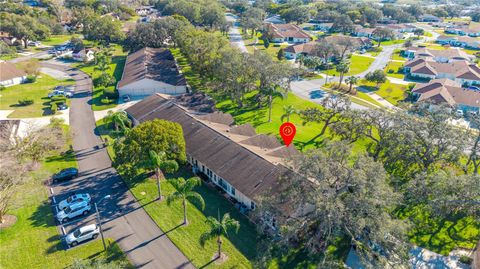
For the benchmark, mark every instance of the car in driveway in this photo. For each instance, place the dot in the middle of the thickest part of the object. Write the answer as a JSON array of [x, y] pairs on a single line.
[[74, 199], [73, 211], [65, 174], [82, 234], [62, 106], [60, 92]]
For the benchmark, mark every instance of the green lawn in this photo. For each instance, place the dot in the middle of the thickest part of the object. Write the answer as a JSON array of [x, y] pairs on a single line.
[[394, 69], [389, 42], [252, 46], [393, 93], [441, 235], [34, 241], [358, 64], [397, 55], [116, 70], [57, 39], [37, 91]]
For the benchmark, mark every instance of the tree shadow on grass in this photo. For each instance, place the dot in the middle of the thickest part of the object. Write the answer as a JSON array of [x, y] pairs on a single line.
[[43, 216], [58, 244]]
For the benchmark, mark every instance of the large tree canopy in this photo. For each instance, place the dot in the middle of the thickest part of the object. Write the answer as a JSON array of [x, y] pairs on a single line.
[[158, 135]]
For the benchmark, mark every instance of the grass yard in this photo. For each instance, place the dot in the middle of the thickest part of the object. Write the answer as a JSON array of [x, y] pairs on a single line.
[[251, 46], [389, 42], [393, 93], [358, 64], [116, 70], [34, 241], [441, 235], [36, 91], [57, 39], [394, 69], [397, 55]]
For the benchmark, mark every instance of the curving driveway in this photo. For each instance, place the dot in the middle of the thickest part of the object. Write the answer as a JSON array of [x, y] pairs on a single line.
[[145, 245]]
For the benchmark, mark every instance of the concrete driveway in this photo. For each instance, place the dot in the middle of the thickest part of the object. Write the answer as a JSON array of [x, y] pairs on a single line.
[[144, 243]]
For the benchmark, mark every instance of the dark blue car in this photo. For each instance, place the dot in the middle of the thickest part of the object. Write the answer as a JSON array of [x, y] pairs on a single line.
[[65, 174]]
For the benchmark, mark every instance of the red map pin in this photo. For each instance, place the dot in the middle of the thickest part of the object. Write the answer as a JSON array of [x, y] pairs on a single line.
[[287, 132]]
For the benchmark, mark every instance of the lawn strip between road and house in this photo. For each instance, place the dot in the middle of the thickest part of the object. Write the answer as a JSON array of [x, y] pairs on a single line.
[[358, 64]]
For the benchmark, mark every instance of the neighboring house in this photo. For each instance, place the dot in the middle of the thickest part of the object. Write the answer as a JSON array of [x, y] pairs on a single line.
[[446, 91], [442, 56], [401, 28], [150, 71], [245, 165], [459, 41], [472, 29], [290, 33], [10, 75], [476, 257], [462, 72], [144, 10], [83, 55], [429, 18], [360, 31], [275, 19], [325, 27], [306, 49], [446, 40]]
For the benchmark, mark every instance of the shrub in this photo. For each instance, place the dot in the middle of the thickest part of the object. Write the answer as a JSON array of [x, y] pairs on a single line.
[[390, 71], [25, 102], [104, 80], [2, 87], [111, 93], [53, 108], [106, 101], [466, 260], [58, 98], [31, 79]]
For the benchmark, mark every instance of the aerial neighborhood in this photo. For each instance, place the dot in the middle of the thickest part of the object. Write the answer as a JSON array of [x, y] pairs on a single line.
[[281, 134]]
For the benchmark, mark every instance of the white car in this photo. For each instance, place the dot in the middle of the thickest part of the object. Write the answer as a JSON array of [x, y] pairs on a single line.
[[34, 43], [81, 234], [74, 199], [73, 211], [60, 92]]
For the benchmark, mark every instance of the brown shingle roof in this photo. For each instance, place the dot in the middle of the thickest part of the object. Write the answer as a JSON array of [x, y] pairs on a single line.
[[248, 172], [156, 64], [446, 90], [460, 69], [286, 30], [10, 71]]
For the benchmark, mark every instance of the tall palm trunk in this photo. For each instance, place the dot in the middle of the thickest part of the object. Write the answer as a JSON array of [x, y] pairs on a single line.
[[185, 221], [159, 186], [270, 102], [219, 242]]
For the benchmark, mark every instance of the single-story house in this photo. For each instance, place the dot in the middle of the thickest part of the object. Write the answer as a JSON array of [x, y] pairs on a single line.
[[10, 75], [448, 91], [292, 52], [360, 31], [472, 30], [446, 40], [150, 70], [459, 41], [290, 33], [429, 18], [275, 19], [462, 72], [442, 56], [325, 27], [144, 10], [83, 55], [401, 28], [244, 164]]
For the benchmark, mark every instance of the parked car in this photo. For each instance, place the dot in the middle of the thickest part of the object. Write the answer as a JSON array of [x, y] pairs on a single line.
[[34, 43], [75, 210], [69, 88], [81, 234], [74, 199], [459, 113], [475, 88], [60, 92], [126, 98], [65, 174], [61, 106]]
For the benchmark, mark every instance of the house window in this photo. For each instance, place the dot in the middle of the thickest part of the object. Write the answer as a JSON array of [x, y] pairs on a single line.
[[252, 205], [223, 184], [232, 190], [203, 168]]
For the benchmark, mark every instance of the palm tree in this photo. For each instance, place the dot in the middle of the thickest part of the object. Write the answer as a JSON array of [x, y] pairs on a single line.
[[287, 112], [219, 228], [161, 164], [184, 191], [351, 81], [342, 68], [119, 119]]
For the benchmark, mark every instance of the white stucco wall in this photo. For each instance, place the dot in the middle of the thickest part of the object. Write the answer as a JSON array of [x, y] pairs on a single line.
[[14, 81], [146, 87]]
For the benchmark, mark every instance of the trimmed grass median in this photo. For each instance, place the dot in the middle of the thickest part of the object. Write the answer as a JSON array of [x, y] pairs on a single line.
[[394, 93]]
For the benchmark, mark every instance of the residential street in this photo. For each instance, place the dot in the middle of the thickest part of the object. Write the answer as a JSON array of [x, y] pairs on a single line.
[[145, 245], [234, 33]]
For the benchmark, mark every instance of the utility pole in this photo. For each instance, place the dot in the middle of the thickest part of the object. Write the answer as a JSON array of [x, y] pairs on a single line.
[[99, 222]]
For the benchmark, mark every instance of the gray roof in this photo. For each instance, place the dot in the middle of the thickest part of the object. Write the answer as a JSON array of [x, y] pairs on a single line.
[[150, 63]]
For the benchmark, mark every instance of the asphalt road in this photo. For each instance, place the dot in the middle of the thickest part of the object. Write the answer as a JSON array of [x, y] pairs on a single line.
[[145, 245], [234, 33]]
